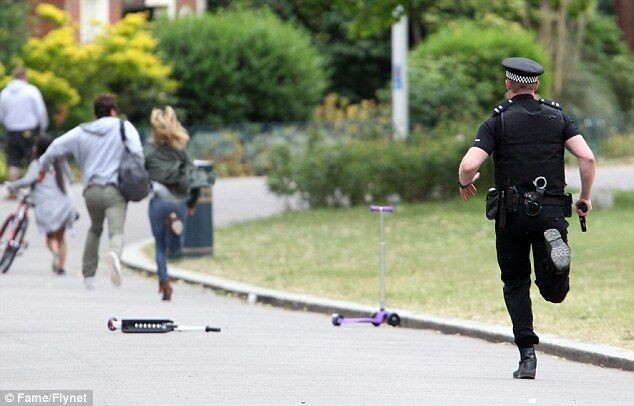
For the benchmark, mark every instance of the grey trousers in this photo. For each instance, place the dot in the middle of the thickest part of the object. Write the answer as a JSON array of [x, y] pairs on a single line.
[[103, 202]]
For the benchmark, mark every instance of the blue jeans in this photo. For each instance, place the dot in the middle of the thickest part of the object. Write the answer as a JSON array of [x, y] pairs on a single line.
[[165, 241]]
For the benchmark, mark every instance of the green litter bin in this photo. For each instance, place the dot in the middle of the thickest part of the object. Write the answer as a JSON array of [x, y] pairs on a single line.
[[199, 228]]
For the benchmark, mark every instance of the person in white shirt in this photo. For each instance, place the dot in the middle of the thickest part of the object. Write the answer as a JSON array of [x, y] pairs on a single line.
[[97, 147], [23, 115]]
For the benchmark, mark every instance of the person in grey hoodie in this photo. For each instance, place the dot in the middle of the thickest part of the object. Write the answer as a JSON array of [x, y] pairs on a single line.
[[97, 147], [23, 115]]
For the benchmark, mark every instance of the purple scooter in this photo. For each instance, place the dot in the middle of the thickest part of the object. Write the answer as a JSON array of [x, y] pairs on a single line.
[[382, 315]]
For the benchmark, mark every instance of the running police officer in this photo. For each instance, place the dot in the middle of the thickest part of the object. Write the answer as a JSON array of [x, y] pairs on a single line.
[[527, 138]]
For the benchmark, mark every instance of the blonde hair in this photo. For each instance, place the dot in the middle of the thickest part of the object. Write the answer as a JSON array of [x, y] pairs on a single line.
[[166, 129]]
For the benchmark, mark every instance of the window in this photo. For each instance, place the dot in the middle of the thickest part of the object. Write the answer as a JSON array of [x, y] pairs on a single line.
[[92, 14]]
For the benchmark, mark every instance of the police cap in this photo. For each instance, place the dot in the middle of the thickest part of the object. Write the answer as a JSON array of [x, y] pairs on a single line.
[[522, 70]]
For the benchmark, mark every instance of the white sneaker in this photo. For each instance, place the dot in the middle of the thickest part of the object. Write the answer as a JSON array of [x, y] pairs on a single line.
[[89, 282], [174, 223], [55, 265], [115, 268]]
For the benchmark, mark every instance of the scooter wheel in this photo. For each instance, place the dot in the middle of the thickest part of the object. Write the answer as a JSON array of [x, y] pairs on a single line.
[[336, 319], [393, 319], [374, 323], [111, 326]]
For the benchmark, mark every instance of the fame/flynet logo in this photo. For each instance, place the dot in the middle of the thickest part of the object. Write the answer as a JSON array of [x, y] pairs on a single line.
[[54, 397]]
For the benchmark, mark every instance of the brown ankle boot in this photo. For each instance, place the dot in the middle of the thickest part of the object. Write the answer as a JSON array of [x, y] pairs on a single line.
[[165, 289]]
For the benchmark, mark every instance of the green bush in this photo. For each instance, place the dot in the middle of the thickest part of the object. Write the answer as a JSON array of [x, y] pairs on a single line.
[[13, 30], [456, 73], [357, 172], [3, 167], [611, 63], [237, 66], [618, 146]]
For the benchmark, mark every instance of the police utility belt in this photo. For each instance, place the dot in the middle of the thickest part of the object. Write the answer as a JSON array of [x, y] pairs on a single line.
[[500, 202]]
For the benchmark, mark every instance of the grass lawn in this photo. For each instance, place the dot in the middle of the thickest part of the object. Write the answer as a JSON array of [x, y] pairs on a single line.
[[440, 259]]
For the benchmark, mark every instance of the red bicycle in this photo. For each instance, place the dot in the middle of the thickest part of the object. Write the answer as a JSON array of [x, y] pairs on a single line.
[[13, 231]]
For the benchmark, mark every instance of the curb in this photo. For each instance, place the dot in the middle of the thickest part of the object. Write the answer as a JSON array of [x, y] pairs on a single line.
[[597, 354]]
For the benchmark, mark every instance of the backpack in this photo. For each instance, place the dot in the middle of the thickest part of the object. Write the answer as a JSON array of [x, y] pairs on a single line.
[[134, 181]]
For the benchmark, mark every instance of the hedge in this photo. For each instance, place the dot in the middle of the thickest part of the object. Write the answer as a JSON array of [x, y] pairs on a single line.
[[357, 172], [242, 65]]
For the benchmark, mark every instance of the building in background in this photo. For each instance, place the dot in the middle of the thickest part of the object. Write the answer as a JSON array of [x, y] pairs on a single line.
[[168, 8], [87, 12]]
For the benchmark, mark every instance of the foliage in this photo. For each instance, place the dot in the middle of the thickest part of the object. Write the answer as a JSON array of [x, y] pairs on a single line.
[[3, 166], [618, 146], [245, 149], [358, 67], [4, 78], [356, 172], [237, 66], [427, 16], [53, 14], [436, 97], [453, 75], [121, 60], [364, 120], [13, 30], [130, 67], [57, 92], [610, 61], [370, 17]]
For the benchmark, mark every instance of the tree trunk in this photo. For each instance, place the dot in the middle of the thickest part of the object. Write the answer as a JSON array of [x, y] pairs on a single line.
[[545, 28], [417, 35], [560, 48], [580, 37]]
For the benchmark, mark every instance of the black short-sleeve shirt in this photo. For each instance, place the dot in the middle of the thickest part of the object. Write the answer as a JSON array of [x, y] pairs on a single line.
[[491, 129]]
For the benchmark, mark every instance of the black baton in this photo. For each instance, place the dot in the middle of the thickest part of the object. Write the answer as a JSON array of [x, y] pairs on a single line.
[[582, 219]]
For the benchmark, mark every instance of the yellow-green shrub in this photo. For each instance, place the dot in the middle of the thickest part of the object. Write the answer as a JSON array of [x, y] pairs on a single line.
[[121, 60]]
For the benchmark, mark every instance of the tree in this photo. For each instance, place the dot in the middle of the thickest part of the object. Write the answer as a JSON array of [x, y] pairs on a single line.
[[426, 16], [122, 60], [13, 30], [357, 67], [242, 65], [456, 76]]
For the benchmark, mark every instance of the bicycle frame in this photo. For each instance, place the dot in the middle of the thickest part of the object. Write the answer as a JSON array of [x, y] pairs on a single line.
[[12, 226]]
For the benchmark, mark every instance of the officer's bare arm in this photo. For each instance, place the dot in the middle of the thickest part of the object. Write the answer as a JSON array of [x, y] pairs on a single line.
[[470, 164], [579, 148], [468, 171]]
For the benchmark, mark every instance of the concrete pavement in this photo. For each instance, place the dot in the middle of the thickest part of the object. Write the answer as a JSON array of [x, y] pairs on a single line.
[[620, 177], [54, 336]]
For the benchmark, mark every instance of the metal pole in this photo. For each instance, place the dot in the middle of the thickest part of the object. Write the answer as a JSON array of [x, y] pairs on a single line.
[[400, 104], [381, 259]]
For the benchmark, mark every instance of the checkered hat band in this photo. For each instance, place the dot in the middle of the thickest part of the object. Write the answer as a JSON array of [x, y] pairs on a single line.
[[521, 79]]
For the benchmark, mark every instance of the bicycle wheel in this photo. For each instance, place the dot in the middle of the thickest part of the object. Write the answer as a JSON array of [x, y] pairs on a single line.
[[10, 248], [5, 233]]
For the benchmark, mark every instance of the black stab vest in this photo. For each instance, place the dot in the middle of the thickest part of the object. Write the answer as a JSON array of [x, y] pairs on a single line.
[[531, 145]]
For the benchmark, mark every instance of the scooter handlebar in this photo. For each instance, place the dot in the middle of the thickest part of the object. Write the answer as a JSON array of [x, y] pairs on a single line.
[[388, 209]]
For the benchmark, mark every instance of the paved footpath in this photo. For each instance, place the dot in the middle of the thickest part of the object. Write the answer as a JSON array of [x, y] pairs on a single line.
[[54, 336]]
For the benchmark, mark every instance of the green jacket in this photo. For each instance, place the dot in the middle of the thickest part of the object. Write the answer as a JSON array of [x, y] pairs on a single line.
[[173, 168]]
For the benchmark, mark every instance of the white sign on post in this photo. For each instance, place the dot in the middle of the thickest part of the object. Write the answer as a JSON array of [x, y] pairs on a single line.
[[400, 104]]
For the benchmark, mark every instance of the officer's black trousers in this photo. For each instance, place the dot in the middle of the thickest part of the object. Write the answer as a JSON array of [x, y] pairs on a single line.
[[513, 245]]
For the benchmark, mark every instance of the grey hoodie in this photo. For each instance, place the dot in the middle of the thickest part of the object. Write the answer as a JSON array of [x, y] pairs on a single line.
[[97, 148], [22, 107]]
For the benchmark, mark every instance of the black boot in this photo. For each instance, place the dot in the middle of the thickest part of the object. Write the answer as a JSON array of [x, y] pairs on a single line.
[[528, 364]]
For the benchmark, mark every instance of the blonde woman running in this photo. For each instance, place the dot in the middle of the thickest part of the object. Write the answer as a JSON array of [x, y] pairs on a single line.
[[175, 188]]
